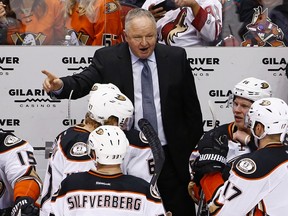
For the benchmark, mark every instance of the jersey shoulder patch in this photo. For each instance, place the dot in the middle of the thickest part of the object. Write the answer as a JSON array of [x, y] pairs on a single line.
[[261, 162], [73, 144], [137, 139], [246, 166], [79, 149], [10, 141]]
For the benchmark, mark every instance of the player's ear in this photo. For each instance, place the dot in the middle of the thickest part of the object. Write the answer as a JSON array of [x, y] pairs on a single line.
[[259, 128]]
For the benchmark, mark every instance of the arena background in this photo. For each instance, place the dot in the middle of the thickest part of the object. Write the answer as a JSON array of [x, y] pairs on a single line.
[[28, 111]]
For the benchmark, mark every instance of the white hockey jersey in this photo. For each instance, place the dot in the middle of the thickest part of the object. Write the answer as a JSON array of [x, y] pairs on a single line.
[[70, 156], [16, 158], [180, 27], [257, 185], [91, 193], [138, 160]]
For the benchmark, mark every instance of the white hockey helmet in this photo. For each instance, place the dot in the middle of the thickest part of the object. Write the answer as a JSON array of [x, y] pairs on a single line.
[[252, 89], [272, 113], [109, 143], [106, 101]]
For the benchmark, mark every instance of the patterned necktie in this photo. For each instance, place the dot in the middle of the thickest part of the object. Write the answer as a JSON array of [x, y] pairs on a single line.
[[149, 111]]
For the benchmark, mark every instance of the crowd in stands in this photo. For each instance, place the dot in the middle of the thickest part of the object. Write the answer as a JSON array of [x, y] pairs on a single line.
[[184, 23]]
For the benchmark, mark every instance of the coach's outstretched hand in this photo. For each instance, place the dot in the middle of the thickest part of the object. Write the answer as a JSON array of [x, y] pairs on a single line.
[[213, 149], [51, 82]]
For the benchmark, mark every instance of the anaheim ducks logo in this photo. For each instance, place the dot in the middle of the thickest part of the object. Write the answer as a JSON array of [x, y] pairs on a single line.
[[78, 38], [111, 7], [95, 87], [172, 29], [11, 140], [79, 149], [120, 97], [28, 39], [100, 131], [264, 85], [265, 103], [246, 166]]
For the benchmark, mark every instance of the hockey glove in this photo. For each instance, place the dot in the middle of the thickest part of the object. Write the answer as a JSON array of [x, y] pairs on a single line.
[[213, 149], [24, 206]]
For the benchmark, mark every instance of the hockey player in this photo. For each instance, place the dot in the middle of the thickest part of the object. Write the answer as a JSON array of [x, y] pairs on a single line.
[[257, 184], [107, 105], [190, 23], [240, 142], [20, 185], [106, 190]]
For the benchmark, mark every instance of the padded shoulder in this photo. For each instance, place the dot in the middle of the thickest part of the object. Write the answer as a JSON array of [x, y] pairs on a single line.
[[261, 162]]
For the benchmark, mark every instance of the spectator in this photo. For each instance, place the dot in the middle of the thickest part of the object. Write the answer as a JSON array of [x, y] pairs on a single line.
[[240, 140], [114, 193], [3, 24], [106, 106], [94, 22], [245, 11], [176, 100], [2, 10], [20, 183], [37, 23], [279, 15], [7, 18], [190, 23], [257, 179]]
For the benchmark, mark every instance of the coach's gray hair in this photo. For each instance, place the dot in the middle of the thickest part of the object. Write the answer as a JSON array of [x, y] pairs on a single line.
[[138, 12]]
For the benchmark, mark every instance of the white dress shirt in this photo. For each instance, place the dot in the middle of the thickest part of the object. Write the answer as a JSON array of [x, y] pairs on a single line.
[[137, 67]]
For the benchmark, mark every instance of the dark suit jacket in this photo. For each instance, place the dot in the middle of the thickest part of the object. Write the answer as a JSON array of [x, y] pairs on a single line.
[[181, 113]]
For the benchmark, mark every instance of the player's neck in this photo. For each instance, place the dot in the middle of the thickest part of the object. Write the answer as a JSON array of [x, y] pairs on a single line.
[[108, 169], [268, 141], [87, 127]]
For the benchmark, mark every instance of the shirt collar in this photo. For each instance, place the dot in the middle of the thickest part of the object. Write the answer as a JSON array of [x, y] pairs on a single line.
[[134, 58]]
